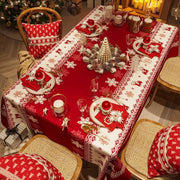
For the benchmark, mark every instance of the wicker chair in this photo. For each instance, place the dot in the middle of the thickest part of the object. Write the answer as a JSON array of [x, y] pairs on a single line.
[[135, 155], [29, 12], [168, 78], [63, 159]]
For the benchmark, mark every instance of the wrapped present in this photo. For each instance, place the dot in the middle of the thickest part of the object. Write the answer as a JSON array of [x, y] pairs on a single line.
[[13, 137]]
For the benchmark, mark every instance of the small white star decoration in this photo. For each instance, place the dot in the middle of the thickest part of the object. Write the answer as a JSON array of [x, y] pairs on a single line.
[[70, 64], [31, 77], [84, 121], [112, 82]]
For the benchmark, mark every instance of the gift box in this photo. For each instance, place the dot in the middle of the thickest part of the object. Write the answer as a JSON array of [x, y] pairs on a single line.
[[13, 137]]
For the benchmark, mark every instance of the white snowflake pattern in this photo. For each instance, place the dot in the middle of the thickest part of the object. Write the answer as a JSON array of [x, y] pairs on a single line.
[[40, 99], [112, 82], [77, 144], [94, 39], [59, 80], [105, 28], [84, 121], [70, 64], [31, 77], [33, 119]]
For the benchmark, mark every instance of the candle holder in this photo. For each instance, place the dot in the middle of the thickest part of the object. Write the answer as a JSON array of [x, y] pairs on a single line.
[[58, 104]]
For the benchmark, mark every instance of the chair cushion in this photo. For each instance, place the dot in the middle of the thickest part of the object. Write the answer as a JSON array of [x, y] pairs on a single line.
[[42, 37], [27, 166], [164, 156]]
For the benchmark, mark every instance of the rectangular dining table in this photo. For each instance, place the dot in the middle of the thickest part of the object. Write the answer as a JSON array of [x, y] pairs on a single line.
[[70, 76]]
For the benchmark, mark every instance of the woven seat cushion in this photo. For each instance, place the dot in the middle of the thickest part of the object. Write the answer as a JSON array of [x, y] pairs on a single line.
[[63, 159], [42, 37], [171, 72], [27, 166], [164, 156], [138, 147]]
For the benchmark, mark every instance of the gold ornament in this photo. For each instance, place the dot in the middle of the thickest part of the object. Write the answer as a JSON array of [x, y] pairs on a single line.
[[38, 3], [8, 24], [52, 4]]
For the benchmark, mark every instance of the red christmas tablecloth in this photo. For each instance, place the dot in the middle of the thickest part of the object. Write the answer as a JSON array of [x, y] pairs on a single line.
[[71, 77]]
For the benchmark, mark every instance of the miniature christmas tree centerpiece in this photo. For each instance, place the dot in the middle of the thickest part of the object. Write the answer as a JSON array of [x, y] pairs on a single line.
[[104, 58], [105, 53]]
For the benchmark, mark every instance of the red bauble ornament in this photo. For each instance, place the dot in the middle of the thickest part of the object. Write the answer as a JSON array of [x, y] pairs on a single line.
[[146, 40], [90, 22], [106, 105], [39, 75]]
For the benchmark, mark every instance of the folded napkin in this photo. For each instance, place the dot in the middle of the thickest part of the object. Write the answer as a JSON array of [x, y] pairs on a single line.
[[85, 30], [153, 49], [30, 82], [117, 111]]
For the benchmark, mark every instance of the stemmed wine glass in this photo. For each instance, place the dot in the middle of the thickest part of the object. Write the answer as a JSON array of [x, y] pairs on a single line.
[[82, 105], [94, 87]]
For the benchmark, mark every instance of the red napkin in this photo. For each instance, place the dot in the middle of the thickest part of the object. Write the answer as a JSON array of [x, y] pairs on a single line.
[[154, 53], [34, 84], [115, 107], [85, 30]]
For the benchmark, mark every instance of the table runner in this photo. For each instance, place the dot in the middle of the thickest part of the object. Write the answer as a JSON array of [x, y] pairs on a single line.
[[127, 87]]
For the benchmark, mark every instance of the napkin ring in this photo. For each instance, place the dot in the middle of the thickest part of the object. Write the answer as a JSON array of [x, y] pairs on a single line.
[[107, 120]]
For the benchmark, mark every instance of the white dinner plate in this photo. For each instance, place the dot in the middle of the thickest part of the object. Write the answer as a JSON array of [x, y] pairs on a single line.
[[136, 46], [94, 109], [48, 86]]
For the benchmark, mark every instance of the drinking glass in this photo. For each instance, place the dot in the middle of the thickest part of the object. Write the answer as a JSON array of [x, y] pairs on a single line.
[[129, 39], [82, 105], [147, 10], [94, 87]]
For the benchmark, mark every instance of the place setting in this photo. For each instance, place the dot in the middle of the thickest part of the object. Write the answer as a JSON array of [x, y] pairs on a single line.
[[90, 28], [146, 46], [38, 82], [107, 112]]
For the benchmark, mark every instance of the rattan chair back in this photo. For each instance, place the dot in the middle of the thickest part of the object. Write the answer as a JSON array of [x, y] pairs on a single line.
[[135, 155], [62, 158], [168, 78]]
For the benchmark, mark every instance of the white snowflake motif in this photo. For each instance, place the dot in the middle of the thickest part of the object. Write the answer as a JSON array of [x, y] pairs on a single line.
[[59, 80], [115, 116], [77, 144], [40, 99], [105, 28], [70, 64], [31, 77], [84, 121], [33, 119], [111, 82], [94, 39]]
